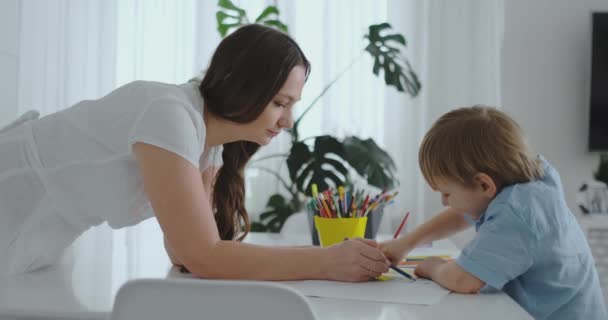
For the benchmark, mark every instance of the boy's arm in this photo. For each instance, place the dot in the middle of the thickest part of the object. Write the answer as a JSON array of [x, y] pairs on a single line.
[[442, 225], [449, 274]]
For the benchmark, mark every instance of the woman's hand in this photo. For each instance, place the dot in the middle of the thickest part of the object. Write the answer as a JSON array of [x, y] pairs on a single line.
[[355, 260], [395, 250]]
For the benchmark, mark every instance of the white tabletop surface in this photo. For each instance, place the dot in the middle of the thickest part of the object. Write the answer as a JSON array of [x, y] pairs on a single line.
[[83, 286]]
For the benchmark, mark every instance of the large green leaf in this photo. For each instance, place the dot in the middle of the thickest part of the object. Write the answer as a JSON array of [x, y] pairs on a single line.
[[387, 56], [324, 165], [270, 17], [371, 162], [257, 226], [276, 24], [277, 211], [230, 16], [268, 11]]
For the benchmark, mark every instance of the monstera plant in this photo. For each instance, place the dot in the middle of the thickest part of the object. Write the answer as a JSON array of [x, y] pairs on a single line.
[[326, 160]]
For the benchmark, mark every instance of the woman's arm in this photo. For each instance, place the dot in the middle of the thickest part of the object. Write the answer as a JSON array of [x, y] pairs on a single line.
[[183, 209], [442, 225], [208, 177], [170, 253]]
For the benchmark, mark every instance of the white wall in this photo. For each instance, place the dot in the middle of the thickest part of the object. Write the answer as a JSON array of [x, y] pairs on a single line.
[[9, 48], [545, 81]]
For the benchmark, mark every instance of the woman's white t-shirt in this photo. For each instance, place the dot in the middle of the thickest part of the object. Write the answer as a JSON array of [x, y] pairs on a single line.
[[68, 171]]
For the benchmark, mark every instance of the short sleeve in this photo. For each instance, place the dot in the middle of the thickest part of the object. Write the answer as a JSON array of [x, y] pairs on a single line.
[[468, 219], [169, 124], [216, 156], [500, 250], [211, 157]]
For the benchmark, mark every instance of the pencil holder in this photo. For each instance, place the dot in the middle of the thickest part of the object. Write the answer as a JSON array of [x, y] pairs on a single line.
[[334, 230], [371, 227]]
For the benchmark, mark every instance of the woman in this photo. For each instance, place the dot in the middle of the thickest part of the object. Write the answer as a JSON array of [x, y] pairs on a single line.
[[150, 148]]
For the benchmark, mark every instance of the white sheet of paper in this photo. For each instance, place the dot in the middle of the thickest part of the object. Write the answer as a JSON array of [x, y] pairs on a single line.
[[395, 290]]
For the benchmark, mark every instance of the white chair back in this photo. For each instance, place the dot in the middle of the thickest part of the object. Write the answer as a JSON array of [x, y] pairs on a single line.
[[177, 299]]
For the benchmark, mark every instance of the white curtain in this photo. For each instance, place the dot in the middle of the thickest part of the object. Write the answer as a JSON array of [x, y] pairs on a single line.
[[67, 54], [454, 46], [75, 50], [331, 35]]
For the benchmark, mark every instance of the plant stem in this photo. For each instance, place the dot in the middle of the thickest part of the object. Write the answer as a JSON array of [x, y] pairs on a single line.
[[285, 184], [327, 86], [276, 155]]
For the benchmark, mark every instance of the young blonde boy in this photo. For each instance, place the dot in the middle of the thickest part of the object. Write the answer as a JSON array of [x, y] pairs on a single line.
[[527, 244]]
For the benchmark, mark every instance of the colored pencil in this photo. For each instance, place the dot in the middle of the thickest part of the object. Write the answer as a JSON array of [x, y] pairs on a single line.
[[401, 225], [401, 272], [347, 204]]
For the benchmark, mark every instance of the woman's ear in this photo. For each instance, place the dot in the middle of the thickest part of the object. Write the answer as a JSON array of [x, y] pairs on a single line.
[[486, 184]]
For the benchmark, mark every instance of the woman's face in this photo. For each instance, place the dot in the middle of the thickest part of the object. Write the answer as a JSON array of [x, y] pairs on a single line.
[[278, 114]]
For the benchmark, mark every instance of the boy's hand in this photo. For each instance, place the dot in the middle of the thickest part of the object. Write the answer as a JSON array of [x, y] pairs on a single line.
[[395, 250], [427, 267]]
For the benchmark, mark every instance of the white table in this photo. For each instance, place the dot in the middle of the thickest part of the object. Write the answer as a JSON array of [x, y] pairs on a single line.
[[84, 288]]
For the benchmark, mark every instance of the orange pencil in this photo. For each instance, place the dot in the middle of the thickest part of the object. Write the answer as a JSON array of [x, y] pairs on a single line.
[[321, 209], [353, 206], [329, 213]]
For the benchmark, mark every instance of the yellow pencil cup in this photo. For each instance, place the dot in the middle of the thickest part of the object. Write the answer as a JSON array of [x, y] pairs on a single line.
[[334, 230]]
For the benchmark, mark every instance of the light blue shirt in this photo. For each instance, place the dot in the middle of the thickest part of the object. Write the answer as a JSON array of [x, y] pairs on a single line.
[[530, 245]]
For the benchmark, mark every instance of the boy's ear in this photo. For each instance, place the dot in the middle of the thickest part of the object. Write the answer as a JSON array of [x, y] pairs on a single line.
[[487, 184]]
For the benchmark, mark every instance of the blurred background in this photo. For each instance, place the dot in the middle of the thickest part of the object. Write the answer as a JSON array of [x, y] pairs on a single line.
[[533, 59]]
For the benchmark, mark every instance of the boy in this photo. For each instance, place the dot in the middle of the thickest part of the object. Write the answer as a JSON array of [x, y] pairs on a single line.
[[528, 243]]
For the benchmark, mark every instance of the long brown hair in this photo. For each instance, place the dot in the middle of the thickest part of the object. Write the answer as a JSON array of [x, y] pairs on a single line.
[[247, 70]]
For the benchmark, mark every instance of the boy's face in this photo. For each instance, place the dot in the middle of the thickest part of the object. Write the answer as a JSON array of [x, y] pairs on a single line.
[[472, 200]]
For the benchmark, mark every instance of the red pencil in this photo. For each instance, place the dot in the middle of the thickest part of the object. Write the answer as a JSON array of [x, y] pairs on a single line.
[[364, 205], [401, 225]]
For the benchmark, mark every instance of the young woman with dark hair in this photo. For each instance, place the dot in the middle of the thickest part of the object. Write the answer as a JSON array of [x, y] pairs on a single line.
[[176, 152]]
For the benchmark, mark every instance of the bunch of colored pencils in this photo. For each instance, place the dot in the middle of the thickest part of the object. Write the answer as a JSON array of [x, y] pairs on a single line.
[[346, 204]]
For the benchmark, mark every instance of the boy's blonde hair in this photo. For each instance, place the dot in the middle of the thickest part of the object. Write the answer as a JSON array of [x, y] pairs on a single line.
[[477, 139]]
